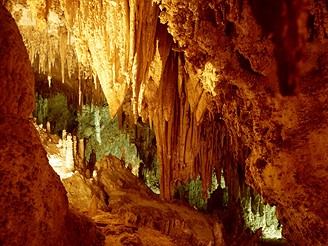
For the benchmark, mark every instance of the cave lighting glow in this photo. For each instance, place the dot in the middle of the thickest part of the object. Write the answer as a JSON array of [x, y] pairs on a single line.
[[56, 162], [59, 154]]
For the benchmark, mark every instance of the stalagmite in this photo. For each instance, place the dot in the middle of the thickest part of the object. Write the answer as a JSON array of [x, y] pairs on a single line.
[[64, 135], [69, 161], [97, 125], [48, 127], [81, 148], [75, 157]]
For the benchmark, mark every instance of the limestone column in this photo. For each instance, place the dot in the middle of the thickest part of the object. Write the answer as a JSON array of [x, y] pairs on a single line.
[[48, 127], [75, 149], [81, 148], [64, 135], [69, 153]]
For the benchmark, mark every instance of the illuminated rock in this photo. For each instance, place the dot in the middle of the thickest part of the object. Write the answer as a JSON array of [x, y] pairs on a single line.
[[29, 186], [280, 139], [81, 148], [213, 90], [75, 150], [33, 200], [17, 78], [69, 160], [48, 126], [131, 204]]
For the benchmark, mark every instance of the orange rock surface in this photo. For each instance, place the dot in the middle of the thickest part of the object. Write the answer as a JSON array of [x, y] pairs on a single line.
[[238, 85], [127, 211], [34, 206]]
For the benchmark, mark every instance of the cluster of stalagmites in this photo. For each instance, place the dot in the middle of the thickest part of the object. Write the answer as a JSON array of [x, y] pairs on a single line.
[[65, 154], [129, 213], [212, 90], [125, 209]]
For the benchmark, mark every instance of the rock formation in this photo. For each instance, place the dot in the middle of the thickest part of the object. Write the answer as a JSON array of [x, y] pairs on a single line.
[[238, 85], [127, 210], [34, 206], [17, 98], [232, 56]]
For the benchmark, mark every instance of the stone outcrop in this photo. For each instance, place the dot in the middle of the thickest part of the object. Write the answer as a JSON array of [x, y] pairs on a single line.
[[34, 206], [238, 61], [33, 200], [129, 213], [17, 79]]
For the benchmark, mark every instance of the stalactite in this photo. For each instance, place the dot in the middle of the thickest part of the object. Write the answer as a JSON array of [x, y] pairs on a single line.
[[49, 81], [97, 125], [118, 35], [127, 38], [62, 51], [229, 56], [186, 148], [258, 215], [94, 77]]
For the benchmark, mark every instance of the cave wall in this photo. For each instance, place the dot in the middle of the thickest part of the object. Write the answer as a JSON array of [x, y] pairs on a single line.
[[29, 186], [34, 205], [216, 83], [238, 60], [16, 99]]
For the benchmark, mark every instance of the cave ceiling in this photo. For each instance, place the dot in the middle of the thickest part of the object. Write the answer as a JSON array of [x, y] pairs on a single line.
[[222, 82]]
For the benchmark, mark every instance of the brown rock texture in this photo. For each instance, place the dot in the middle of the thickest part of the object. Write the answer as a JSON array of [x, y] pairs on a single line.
[[34, 206], [33, 200], [211, 78], [282, 139], [17, 79], [134, 215], [80, 193]]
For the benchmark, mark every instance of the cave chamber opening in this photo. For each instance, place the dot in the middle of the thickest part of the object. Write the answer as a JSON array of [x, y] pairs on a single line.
[[198, 165]]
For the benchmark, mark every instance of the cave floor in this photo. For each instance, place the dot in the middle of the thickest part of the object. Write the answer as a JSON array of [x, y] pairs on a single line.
[[127, 212]]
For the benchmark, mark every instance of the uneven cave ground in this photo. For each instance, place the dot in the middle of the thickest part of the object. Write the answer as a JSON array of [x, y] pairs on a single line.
[[128, 212]]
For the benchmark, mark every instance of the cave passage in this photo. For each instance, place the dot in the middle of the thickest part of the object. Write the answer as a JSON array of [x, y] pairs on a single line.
[[161, 122], [73, 133]]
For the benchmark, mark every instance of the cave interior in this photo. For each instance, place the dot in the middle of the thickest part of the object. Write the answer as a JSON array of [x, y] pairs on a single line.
[[163, 122]]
